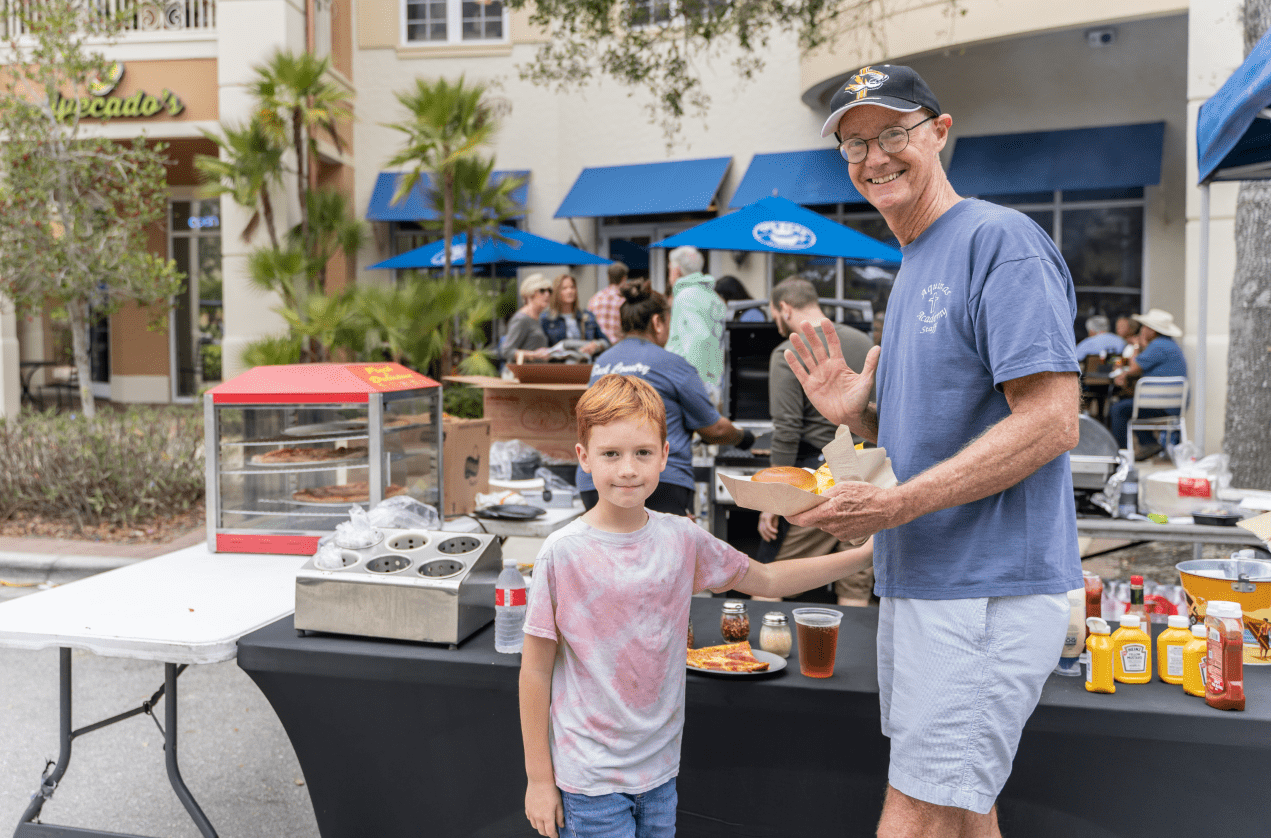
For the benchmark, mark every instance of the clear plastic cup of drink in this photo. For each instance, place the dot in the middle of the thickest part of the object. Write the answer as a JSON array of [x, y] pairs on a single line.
[[1094, 594], [818, 640]]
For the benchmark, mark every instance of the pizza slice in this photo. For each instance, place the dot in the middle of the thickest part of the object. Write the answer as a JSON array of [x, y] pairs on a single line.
[[309, 455], [730, 657], [358, 492]]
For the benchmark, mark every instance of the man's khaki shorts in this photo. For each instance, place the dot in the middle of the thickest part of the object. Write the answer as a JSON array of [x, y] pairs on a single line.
[[809, 541]]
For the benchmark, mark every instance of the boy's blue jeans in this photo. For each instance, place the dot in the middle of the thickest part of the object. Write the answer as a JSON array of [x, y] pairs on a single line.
[[618, 815]]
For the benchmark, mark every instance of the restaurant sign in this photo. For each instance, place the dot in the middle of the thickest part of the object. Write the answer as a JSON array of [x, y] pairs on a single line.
[[102, 103]]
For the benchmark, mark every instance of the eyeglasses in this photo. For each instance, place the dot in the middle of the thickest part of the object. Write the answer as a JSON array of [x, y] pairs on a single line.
[[893, 141]]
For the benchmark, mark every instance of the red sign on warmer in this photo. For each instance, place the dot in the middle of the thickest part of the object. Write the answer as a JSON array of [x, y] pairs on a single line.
[[388, 378], [1194, 487]]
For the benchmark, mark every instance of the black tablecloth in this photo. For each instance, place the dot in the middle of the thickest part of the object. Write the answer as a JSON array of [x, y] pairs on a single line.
[[406, 739]]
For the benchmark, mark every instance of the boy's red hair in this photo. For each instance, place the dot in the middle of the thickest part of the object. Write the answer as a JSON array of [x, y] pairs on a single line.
[[616, 397]]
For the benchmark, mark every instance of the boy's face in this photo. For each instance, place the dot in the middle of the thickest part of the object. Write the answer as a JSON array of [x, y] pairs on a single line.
[[625, 460]]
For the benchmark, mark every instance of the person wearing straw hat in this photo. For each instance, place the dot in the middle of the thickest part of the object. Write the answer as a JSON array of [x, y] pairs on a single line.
[[1158, 355]]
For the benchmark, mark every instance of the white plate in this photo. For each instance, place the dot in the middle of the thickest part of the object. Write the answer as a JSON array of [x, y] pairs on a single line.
[[326, 428], [776, 663]]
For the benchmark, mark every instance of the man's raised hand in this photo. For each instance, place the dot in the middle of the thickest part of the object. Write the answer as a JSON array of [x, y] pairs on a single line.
[[838, 392]]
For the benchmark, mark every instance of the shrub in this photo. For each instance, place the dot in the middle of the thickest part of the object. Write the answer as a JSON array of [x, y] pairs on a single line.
[[463, 401], [120, 467]]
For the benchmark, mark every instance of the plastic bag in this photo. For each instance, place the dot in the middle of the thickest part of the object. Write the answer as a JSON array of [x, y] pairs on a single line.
[[404, 513], [328, 557], [358, 532], [554, 483], [511, 459]]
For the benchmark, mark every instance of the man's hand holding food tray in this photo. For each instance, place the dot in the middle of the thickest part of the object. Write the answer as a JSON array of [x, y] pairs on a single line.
[[784, 492]]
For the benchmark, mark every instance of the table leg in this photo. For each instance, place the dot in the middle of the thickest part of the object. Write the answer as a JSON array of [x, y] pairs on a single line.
[[170, 752], [28, 828]]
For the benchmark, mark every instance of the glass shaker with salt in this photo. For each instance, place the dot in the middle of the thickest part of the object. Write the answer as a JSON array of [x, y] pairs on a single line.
[[774, 634]]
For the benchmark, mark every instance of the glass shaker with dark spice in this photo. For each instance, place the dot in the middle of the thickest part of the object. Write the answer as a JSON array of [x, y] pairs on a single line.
[[734, 624]]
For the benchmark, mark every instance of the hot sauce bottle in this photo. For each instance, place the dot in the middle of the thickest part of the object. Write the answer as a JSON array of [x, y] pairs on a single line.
[[1132, 652], [1169, 650], [1224, 669], [1194, 661], [1137, 607]]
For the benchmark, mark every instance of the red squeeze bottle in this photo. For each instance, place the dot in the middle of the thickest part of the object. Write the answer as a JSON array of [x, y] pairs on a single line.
[[1224, 669]]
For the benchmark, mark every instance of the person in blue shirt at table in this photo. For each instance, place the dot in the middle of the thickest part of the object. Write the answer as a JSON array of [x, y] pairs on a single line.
[[729, 288], [646, 324], [1100, 339], [565, 319], [1159, 357]]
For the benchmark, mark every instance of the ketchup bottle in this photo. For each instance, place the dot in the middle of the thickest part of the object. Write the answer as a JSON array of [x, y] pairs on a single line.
[[1224, 671]]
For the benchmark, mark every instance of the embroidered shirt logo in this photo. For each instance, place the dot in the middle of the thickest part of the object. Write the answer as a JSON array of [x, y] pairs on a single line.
[[936, 298], [783, 235], [865, 80]]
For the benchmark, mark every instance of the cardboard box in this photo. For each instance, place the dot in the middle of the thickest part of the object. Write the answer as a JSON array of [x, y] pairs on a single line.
[[466, 458], [540, 415]]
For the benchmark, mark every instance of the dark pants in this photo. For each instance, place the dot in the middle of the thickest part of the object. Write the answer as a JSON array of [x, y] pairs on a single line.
[[673, 500], [1119, 421]]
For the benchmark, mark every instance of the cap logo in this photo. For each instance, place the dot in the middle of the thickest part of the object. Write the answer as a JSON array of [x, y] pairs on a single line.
[[784, 235], [865, 80]]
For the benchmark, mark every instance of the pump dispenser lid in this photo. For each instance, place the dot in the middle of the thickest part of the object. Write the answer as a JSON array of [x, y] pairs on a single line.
[[1198, 630], [1129, 621], [1098, 625], [1179, 621]]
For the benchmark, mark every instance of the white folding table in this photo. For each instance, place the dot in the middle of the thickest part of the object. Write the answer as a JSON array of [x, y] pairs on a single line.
[[188, 607]]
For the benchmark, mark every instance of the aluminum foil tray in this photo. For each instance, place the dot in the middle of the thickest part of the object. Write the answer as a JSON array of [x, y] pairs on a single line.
[[431, 587]]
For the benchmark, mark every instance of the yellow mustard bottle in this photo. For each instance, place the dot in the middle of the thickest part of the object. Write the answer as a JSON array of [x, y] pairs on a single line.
[[1099, 653], [1194, 654], [1132, 652], [1169, 649]]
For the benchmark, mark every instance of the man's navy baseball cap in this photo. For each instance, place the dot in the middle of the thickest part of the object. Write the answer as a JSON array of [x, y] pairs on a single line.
[[886, 85]]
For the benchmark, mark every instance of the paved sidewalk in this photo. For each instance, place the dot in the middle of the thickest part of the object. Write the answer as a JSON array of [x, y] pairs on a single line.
[[31, 560]]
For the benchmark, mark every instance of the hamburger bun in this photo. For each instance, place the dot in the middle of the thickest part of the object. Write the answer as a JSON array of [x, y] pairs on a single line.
[[796, 477]]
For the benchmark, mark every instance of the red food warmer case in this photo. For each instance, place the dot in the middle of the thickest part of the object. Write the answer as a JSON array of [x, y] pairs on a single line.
[[290, 448]]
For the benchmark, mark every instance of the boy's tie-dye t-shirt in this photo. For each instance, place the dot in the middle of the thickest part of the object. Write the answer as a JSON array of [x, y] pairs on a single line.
[[617, 605]]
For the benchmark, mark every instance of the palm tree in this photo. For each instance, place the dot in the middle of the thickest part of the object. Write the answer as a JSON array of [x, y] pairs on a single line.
[[419, 320], [296, 99], [333, 227], [482, 202], [249, 165], [447, 123]]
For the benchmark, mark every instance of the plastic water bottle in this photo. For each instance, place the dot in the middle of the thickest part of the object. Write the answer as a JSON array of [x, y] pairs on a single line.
[[509, 609], [1129, 502]]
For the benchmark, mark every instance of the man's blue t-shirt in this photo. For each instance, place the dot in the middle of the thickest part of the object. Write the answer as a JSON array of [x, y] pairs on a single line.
[[982, 297], [677, 382], [1162, 358]]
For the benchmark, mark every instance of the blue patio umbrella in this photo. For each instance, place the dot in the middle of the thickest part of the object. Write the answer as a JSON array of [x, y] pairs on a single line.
[[1233, 142], [778, 225], [522, 249]]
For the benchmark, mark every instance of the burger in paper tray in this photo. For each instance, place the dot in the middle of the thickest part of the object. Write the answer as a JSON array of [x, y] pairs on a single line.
[[785, 492]]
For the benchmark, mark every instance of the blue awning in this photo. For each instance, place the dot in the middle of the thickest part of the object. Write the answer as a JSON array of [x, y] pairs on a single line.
[[1109, 157], [1233, 135], [645, 189], [416, 206], [806, 177]]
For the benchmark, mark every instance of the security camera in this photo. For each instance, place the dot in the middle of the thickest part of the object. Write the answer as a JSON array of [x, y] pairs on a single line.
[[1096, 38]]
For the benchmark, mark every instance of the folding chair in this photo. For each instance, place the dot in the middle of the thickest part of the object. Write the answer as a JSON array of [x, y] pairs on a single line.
[[1158, 393]]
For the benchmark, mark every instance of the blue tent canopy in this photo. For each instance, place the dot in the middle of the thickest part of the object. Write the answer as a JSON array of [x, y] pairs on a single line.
[[1233, 142], [1233, 135], [777, 225], [522, 249]]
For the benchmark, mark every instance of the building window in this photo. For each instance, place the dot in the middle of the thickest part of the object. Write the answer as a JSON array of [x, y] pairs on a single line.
[[454, 21], [1100, 234], [197, 317]]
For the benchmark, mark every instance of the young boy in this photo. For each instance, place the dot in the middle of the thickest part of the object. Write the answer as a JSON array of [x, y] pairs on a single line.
[[602, 670]]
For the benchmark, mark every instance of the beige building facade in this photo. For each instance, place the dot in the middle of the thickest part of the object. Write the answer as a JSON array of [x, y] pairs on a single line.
[[1105, 80]]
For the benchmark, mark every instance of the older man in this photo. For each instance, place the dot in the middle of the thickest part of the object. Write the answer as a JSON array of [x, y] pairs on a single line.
[[1157, 355], [697, 318], [1099, 340], [977, 406]]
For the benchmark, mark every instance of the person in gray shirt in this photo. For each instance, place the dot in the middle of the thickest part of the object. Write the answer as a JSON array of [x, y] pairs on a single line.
[[525, 332], [799, 432]]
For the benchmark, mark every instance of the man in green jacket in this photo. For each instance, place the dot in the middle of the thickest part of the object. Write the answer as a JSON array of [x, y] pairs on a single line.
[[697, 318]]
